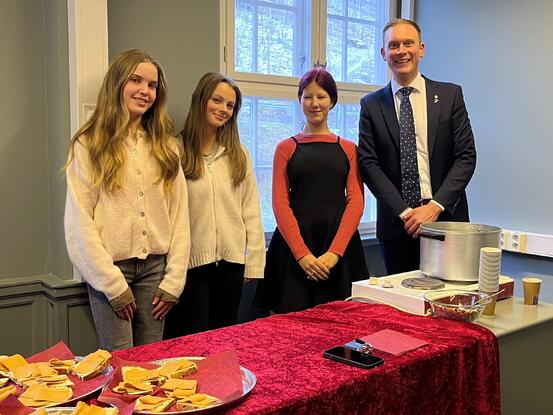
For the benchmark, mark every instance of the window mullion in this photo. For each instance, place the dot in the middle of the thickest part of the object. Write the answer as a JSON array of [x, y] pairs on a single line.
[[322, 31], [344, 47], [255, 37], [255, 132], [314, 30], [299, 38]]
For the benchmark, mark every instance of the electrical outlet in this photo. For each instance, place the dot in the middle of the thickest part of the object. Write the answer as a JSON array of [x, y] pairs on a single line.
[[505, 240], [88, 111], [518, 242]]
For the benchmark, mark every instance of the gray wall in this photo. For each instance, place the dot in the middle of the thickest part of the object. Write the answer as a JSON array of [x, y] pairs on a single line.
[[24, 171], [499, 51], [57, 116], [182, 35]]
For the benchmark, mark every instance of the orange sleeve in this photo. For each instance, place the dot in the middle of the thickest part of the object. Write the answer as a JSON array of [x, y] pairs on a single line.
[[355, 202], [285, 219]]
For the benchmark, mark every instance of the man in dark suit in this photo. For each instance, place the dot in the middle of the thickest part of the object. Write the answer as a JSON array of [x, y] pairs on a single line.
[[416, 149]]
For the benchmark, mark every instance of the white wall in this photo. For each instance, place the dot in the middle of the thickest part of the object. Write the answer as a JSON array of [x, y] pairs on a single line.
[[501, 52]]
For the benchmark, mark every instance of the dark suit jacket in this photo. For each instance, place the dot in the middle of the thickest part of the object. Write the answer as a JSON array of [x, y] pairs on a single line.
[[451, 151]]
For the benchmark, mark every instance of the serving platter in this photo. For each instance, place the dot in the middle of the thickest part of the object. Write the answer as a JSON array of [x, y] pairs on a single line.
[[106, 373], [248, 383]]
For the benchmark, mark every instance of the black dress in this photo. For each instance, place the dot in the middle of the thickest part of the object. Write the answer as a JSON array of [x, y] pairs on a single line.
[[317, 175]]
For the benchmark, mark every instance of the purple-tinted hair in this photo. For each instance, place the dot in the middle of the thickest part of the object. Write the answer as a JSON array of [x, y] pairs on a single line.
[[324, 79]]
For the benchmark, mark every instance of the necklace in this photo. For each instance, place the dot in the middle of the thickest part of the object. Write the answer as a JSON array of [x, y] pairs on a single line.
[[209, 157]]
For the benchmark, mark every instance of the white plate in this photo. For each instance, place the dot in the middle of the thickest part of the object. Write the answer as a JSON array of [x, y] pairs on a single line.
[[248, 382], [106, 373]]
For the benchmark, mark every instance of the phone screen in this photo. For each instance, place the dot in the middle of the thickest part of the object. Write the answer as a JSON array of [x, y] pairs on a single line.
[[352, 357]]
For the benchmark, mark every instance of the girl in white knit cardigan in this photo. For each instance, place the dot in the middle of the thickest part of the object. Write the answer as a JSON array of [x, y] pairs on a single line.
[[126, 215], [227, 240]]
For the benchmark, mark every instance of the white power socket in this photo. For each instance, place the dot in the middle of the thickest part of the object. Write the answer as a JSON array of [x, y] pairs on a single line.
[[505, 240], [514, 241]]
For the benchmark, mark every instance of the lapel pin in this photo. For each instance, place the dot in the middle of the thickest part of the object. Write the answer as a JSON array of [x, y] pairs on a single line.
[[436, 99]]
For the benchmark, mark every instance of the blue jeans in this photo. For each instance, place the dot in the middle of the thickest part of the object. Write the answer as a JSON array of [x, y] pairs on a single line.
[[143, 277]]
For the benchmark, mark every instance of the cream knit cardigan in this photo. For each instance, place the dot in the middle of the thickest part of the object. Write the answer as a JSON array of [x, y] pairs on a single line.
[[225, 221], [136, 220]]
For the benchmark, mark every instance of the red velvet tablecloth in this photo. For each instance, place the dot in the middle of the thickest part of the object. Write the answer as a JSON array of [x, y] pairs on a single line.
[[456, 373]]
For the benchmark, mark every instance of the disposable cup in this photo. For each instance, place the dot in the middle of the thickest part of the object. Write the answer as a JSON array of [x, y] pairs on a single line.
[[489, 310], [491, 251], [489, 262], [531, 287]]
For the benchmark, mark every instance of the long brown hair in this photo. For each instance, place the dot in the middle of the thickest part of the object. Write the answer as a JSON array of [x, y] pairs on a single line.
[[103, 134], [195, 130]]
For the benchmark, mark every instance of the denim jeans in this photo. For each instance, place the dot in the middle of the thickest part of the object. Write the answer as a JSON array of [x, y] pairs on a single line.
[[143, 277]]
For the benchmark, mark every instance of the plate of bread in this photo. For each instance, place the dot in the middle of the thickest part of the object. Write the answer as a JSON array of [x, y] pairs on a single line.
[[167, 388], [55, 382]]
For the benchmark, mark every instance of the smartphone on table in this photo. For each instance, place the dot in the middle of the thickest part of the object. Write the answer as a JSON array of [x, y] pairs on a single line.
[[353, 357]]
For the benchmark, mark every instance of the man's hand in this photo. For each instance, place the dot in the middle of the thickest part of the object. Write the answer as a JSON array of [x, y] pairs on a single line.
[[419, 215], [127, 312], [314, 268], [161, 308], [330, 259]]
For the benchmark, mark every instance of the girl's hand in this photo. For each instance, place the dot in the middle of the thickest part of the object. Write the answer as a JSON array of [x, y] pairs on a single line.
[[127, 312], [314, 268], [330, 259], [161, 308]]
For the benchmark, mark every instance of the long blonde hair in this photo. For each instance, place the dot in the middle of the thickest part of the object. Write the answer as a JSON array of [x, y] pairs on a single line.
[[103, 134], [195, 130]]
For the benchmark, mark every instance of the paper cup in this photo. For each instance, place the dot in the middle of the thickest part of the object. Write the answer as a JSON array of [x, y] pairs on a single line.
[[489, 310], [531, 288]]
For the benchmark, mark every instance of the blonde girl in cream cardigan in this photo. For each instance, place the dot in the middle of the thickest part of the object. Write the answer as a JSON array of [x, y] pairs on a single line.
[[227, 240], [126, 215]]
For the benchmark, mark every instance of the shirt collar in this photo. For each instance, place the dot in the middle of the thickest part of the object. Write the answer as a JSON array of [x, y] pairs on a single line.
[[417, 84]]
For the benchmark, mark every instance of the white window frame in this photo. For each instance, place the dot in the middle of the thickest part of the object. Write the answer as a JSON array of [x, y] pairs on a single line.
[[285, 87]]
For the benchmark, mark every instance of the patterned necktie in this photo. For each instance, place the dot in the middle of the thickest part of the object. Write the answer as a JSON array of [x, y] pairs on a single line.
[[410, 184]]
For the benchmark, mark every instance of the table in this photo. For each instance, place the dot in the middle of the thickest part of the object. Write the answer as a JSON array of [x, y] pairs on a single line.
[[524, 333], [525, 337], [456, 373]]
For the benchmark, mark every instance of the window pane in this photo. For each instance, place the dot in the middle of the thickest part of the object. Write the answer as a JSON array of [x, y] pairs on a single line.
[[263, 123], [363, 9], [246, 122], [264, 178], [275, 122], [276, 41], [335, 7], [275, 36], [361, 53], [353, 42], [334, 48], [244, 37]]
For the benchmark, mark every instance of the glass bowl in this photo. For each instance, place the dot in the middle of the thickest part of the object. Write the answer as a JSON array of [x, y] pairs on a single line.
[[457, 304]]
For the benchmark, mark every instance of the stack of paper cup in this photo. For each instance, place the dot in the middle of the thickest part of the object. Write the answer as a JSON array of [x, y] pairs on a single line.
[[488, 277]]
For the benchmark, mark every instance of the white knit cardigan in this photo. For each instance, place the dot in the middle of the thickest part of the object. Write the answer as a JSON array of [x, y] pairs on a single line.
[[225, 221]]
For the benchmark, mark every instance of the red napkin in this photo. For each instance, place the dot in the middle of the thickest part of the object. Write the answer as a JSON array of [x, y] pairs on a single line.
[[393, 342], [12, 406], [220, 376], [59, 350]]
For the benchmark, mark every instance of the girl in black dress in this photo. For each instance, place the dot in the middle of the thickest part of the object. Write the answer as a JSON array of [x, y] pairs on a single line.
[[316, 251]]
